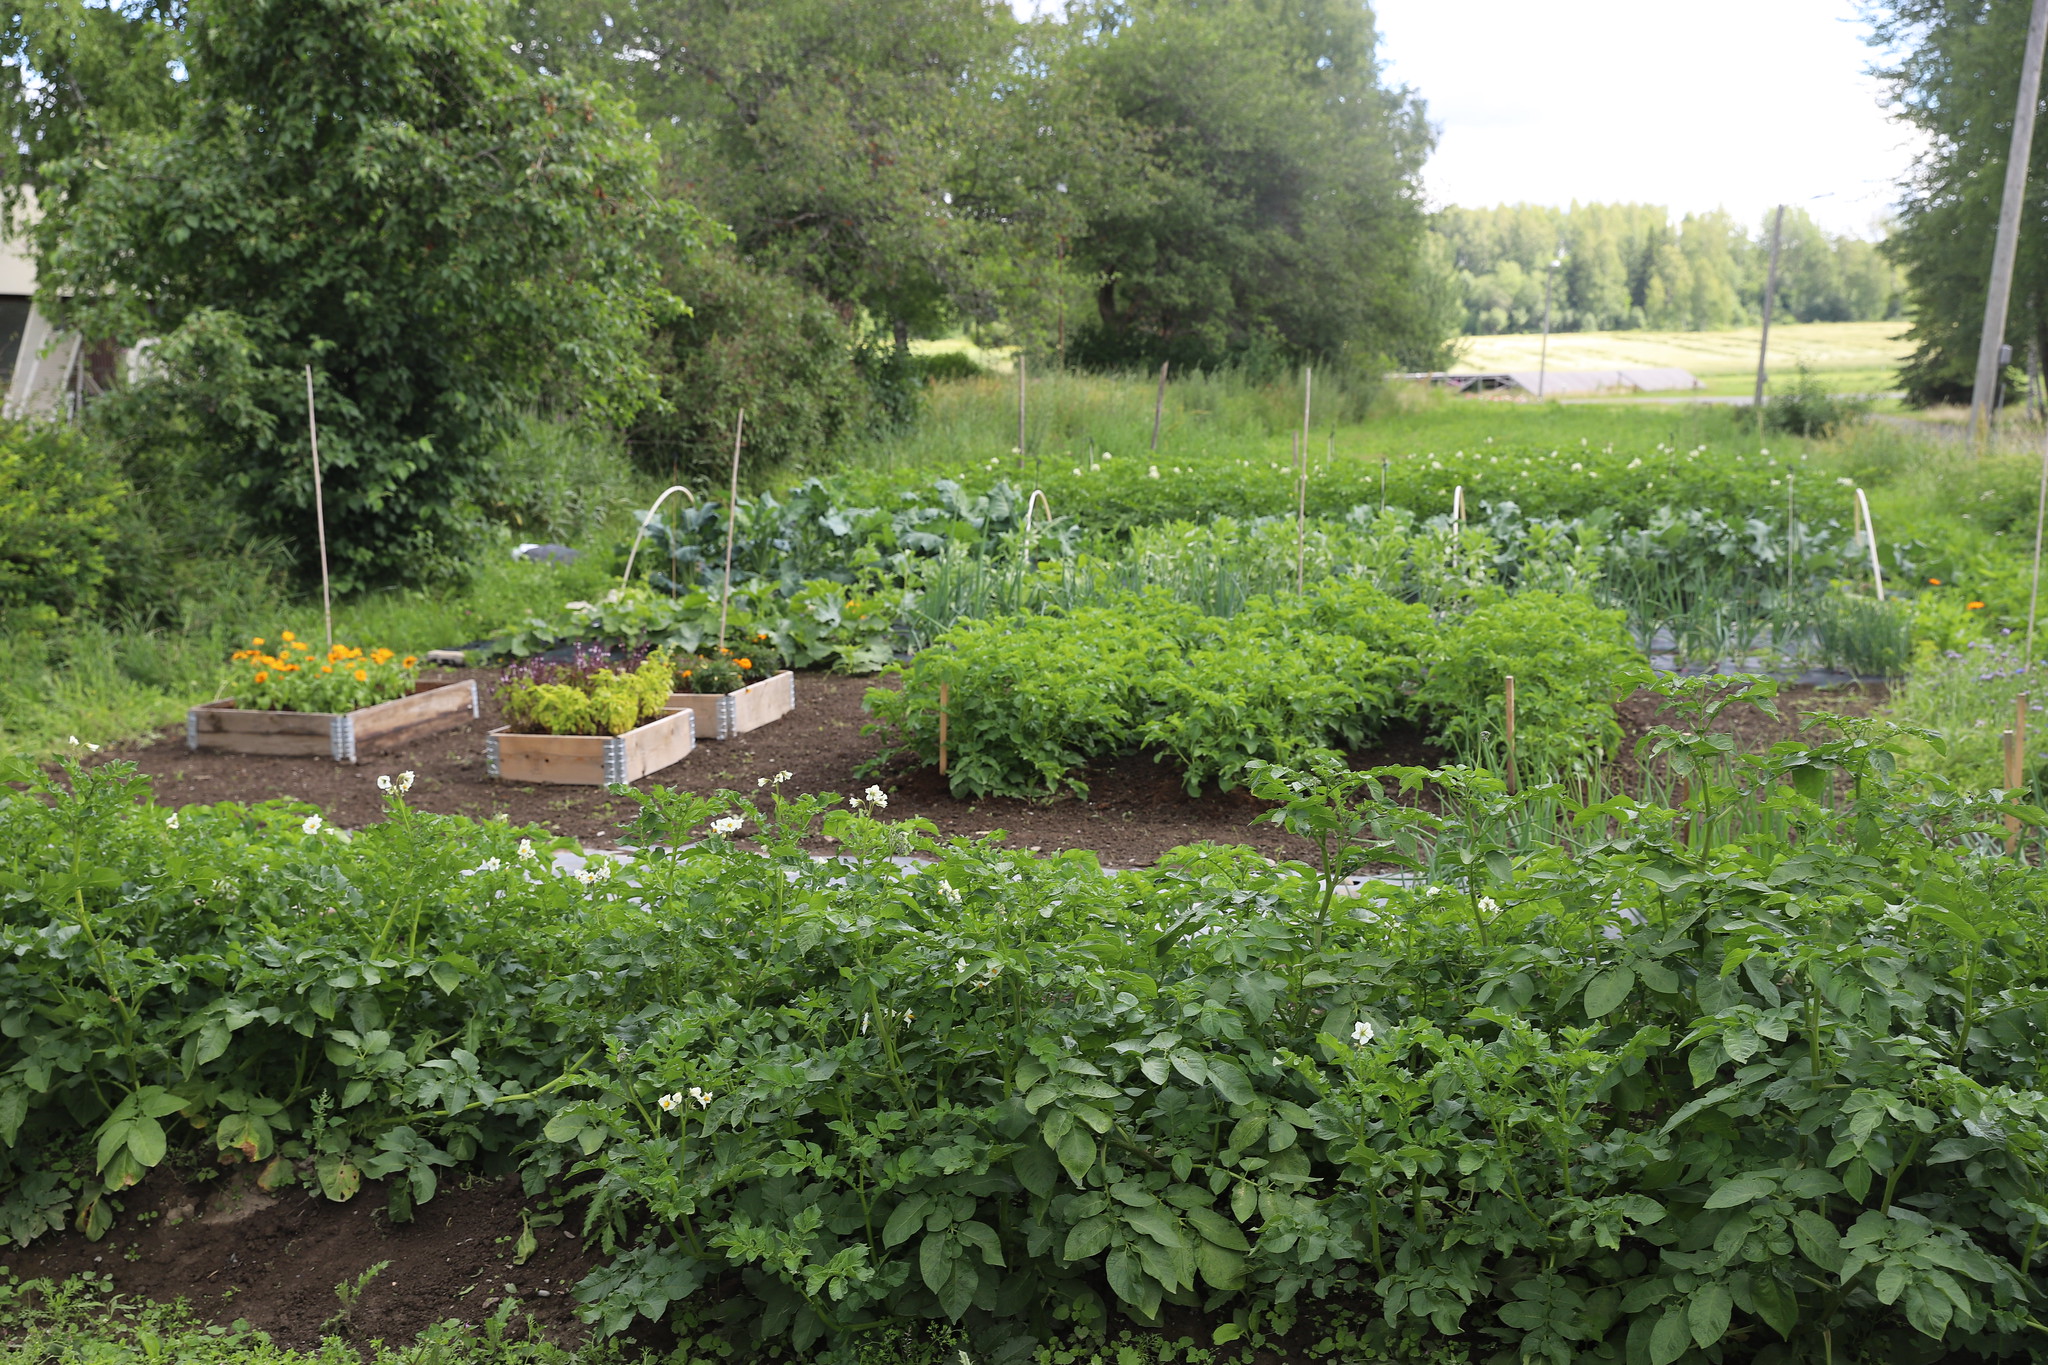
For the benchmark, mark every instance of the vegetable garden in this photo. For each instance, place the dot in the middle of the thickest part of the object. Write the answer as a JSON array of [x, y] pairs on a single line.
[[1747, 1076], [1557, 1050]]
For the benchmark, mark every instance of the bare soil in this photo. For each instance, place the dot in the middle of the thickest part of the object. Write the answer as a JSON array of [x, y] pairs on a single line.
[[1134, 811], [274, 1260]]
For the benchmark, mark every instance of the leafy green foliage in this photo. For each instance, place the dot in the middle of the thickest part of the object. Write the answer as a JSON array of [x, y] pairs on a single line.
[[378, 190], [758, 341], [1630, 265], [1033, 699], [1955, 77], [1808, 409], [1284, 217], [1571, 661], [59, 499], [598, 701]]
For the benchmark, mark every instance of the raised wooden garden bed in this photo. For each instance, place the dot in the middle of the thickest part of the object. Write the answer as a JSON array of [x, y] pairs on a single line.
[[223, 727], [592, 760], [726, 715]]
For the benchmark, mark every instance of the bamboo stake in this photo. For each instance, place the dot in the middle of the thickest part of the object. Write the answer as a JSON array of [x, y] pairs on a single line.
[[1308, 380], [2015, 766], [320, 511], [1514, 776], [1300, 509], [1159, 403], [1020, 407], [2034, 598], [732, 521], [943, 701], [1870, 530], [1383, 483]]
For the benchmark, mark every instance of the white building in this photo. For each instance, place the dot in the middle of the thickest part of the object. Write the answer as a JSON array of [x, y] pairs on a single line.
[[45, 372]]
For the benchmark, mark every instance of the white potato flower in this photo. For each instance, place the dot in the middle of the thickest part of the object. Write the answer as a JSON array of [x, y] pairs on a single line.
[[312, 824], [171, 820], [703, 1097], [384, 783], [727, 824], [525, 849], [404, 782], [877, 798], [1361, 1033], [668, 1103]]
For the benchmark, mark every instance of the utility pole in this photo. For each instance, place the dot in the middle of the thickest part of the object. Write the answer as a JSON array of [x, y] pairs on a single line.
[[1543, 356], [1763, 345], [2007, 245]]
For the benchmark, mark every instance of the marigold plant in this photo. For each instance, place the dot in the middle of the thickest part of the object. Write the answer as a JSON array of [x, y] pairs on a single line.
[[294, 676]]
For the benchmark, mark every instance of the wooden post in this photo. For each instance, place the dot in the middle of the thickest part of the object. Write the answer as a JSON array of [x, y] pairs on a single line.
[[943, 706], [1159, 403], [1791, 532], [2034, 597], [1514, 777], [1020, 407], [2006, 246], [732, 521], [320, 510], [1763, 344]]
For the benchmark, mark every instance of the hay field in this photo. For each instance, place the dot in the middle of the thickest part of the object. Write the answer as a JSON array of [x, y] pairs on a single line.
[[1858, 357]]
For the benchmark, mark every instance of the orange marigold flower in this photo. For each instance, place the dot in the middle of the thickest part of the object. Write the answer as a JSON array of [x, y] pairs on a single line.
[[327, 668], [301, 644], [362, 675], [408, 661], [289, 668], [287, 636], [1935, 581], [262, 677], [257, 641], [744, 663], [1975, 605]]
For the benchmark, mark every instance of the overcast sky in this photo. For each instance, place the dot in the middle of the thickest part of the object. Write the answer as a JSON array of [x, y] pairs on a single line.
[[1737, 104]]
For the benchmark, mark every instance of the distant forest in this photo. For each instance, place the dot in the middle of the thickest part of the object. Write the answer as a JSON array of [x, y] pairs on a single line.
[[1632, 265]]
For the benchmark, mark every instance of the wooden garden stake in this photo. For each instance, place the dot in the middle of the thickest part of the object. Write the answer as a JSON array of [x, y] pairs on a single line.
[[1383, 483], [2034, 598], [2015, 766], [1159, 403], [1020, 407], [942, 728], [1300, 509], [1514, 778], [1308, 380], [732, 521], [320, 511]]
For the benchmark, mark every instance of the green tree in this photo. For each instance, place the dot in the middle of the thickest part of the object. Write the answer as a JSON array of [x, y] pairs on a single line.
[[1958, 82], [375, 188], [1285, 214]]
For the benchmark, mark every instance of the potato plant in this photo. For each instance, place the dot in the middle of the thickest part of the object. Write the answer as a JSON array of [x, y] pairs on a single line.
[[1756, 1078]]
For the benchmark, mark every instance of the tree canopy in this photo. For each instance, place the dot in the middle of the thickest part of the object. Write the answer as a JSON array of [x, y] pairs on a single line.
[[1957, 80], [1630, 265], [377, 189], [1285, 212]]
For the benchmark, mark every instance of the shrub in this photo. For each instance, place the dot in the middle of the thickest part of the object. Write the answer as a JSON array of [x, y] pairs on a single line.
[[1809, 409], [1571, 661], [59, 500], [942, 366], [761, 341]]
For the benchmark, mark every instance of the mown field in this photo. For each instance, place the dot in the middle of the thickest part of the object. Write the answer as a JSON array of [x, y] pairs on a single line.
[[1849, 357], [1693, 1048]]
